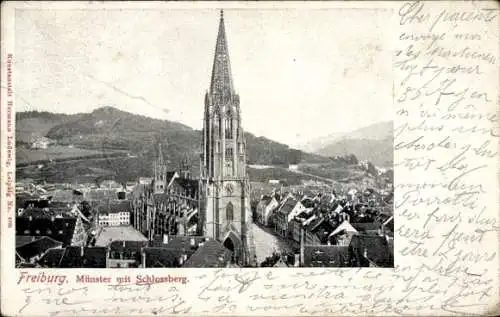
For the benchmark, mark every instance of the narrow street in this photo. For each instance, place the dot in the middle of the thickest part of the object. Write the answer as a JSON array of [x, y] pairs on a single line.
[[266, 242]]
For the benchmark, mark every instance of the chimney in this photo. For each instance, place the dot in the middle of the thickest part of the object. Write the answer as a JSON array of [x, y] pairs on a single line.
[[165, 239], [301, 246]]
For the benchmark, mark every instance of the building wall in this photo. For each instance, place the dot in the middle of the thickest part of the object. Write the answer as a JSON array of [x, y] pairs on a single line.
[[269, 211], [295, 226], [218, 225], [115, 219]]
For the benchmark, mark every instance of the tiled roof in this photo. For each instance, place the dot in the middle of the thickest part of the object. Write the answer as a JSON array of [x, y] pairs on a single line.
[[184, 243], [37, 247], [93, 257], [128, 249], [311, 226], [52, 258], [36, 203], [323, 230], [365, 226], [170, 175], [307, 202], [389, 224], [303, 215], [115, 207], [288, 206], [60, 229], [266, 200], [211, 254], [22, 240], [162, 257], [376, 247], [344, 226], [326, 256]]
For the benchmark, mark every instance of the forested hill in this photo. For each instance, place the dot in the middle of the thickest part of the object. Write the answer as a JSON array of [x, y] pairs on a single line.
[[110, 128]]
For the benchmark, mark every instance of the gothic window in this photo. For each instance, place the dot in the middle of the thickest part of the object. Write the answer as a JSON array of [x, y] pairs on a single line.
[[228, 168], [229, 212], [229, 153], [229, 128], [216, 126]]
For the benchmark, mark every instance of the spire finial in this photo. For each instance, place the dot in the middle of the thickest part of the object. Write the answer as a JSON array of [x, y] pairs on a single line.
[[221, 82]]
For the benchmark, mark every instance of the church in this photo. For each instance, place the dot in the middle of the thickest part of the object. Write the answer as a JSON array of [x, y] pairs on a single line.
[[225, 213], [217, 205]]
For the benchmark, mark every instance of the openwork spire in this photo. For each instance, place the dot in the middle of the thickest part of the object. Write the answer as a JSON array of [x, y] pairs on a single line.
[[222, 81]]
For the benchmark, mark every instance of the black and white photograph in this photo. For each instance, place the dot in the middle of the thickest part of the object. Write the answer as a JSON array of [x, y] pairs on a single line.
[[203, 138]]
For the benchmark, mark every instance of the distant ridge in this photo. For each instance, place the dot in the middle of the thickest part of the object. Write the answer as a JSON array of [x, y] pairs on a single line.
[[373, 143], [111, 128]]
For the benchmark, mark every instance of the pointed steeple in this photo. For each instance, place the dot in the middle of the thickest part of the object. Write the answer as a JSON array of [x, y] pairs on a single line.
[[221, 83]]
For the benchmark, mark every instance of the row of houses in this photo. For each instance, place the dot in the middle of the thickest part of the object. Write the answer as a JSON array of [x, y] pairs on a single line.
[[331, 224], [160, 252], [41, 226]]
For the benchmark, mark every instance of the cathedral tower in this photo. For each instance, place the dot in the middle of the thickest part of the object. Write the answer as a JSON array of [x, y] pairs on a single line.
[[225, 187], [160, 173]]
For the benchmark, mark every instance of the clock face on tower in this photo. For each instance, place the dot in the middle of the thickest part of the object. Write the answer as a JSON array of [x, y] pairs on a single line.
[[229, 188]]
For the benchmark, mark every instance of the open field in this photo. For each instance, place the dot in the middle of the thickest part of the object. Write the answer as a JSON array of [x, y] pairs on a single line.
[[25, 156]]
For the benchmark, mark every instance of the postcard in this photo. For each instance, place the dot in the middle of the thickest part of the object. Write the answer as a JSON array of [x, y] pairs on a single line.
[[250, 158]]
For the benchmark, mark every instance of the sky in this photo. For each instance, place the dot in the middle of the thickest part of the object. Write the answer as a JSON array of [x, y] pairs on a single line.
[[300, 73]]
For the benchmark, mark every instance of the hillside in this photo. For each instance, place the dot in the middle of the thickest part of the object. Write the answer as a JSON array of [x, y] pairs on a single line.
[[108, 128], [373, 143], [378, 152], [377, 131], [35, 123]]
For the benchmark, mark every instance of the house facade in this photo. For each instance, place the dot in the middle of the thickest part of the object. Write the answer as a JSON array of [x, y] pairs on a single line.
[[265, 210]]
